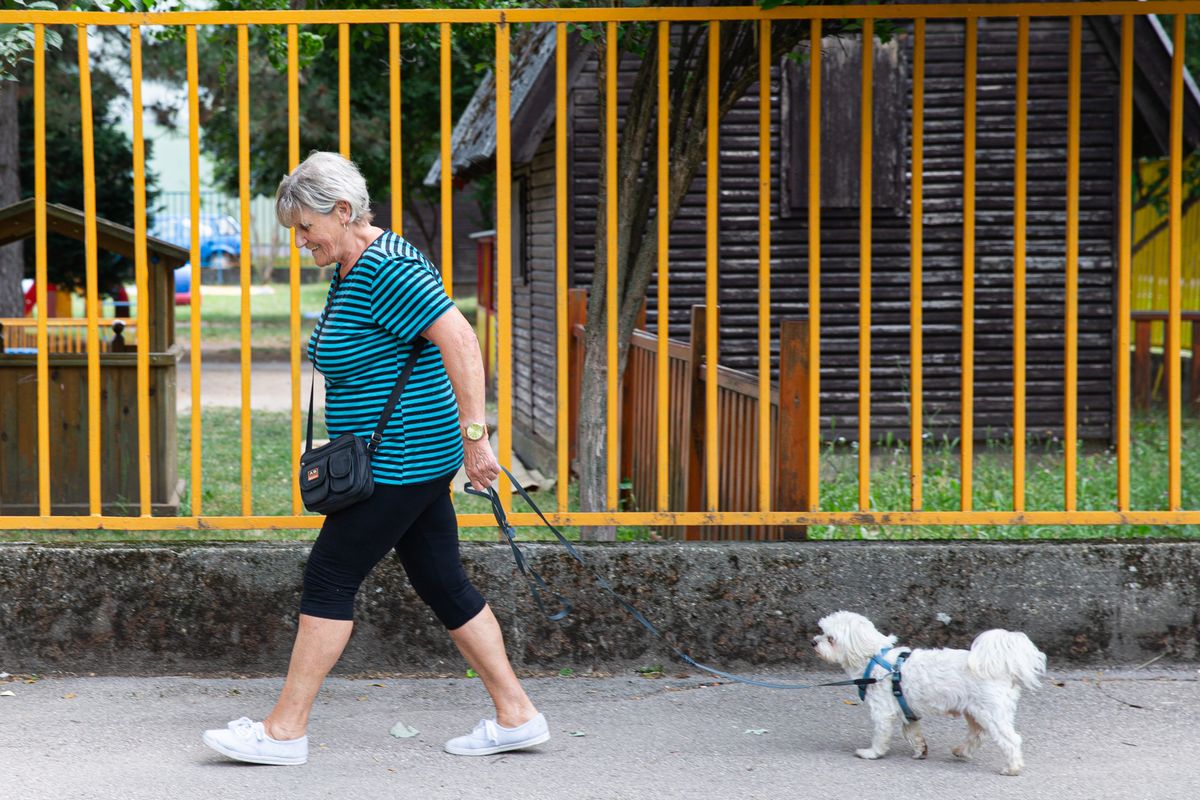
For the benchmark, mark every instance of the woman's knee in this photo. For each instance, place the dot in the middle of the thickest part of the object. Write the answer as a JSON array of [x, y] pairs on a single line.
[[329, 592], [450, 594]]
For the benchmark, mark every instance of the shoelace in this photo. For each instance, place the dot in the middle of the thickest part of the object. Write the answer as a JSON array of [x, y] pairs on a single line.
[[246, 728], [490, 730]]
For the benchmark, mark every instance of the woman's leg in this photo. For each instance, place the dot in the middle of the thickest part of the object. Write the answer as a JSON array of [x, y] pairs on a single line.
[[319, 644], [482, 645], [430, 555], [351, 543]]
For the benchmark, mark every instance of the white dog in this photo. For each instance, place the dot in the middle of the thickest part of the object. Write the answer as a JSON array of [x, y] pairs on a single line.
[[983, 684]]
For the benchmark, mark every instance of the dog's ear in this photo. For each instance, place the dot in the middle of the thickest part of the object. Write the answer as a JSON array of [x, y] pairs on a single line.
[[860, 639]]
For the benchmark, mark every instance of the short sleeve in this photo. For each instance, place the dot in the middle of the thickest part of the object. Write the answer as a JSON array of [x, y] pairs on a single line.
[[407, 297]]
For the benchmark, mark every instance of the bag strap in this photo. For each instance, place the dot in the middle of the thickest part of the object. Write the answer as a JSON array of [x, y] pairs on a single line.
[[376, 437]]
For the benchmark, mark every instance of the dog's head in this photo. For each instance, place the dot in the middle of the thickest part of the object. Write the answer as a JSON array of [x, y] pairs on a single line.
[[849, 640]]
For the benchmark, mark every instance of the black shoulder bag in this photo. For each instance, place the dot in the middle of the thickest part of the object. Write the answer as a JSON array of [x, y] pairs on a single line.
[[338, 474]]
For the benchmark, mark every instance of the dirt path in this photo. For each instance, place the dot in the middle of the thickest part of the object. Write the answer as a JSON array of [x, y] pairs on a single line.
[[270, 386]]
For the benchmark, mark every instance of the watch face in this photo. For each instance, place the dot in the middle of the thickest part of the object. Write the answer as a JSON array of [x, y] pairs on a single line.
[[474, 431]]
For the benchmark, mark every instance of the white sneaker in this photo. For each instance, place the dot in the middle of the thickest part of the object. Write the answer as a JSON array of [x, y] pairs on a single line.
[[490, 737], [243, 740]]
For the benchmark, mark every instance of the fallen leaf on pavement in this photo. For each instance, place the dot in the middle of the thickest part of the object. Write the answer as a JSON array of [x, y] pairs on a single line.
[[402, 731]]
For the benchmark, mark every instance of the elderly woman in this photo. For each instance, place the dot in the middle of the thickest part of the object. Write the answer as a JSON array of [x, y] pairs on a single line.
[[384, 295]]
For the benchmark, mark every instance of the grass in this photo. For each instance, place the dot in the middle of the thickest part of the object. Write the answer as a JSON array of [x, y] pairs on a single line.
[[270, 316], [272, 481], [271, 488], [1096, 485]]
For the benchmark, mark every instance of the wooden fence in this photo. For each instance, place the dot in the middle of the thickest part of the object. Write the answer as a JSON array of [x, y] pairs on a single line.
[[65, 335], [736, 427]]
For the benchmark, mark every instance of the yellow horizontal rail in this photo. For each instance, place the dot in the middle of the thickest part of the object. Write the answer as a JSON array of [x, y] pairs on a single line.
[[66, 322], [656, 518], [577, 15]]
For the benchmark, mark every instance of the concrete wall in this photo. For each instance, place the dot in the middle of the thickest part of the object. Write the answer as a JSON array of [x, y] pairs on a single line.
[[232, 608]]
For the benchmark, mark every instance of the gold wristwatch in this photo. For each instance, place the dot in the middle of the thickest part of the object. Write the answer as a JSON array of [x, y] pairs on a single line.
[[475, 431]]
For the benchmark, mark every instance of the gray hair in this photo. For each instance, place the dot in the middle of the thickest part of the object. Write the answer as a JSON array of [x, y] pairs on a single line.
[[318, 184]]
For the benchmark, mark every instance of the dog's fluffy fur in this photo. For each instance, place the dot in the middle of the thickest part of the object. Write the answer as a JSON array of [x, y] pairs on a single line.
[[982, 684]]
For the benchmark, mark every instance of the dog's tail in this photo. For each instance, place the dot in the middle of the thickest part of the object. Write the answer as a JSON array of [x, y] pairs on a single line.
[[999, 654]]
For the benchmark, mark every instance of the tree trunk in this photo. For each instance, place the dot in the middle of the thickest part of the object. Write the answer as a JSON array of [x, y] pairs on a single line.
[[593, 452], [12, 263]]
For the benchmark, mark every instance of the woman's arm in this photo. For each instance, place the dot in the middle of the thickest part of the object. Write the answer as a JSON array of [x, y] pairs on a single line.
[[456, 340]]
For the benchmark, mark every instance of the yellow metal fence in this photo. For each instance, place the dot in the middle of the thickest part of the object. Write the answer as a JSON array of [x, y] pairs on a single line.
[[395, 20]]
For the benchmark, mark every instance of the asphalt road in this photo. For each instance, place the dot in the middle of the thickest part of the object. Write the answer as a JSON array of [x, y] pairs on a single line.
[[1088, 736]]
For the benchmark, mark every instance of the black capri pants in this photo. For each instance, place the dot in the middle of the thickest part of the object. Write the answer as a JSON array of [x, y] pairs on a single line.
[[418, 522]]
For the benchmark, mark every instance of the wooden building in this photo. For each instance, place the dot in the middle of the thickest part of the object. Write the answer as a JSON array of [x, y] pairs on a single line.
[[995, 91]]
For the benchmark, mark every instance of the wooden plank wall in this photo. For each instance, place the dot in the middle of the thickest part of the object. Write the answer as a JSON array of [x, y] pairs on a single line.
[[69, 435], [534, 376], [1046, 216]]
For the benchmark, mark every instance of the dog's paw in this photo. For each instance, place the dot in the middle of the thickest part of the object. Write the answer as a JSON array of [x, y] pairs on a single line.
[[867, 753], [1012, 769], [960, 751], [922, 753]]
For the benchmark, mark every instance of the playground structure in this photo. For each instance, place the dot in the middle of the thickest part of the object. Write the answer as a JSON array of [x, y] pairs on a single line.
[[71, 370]]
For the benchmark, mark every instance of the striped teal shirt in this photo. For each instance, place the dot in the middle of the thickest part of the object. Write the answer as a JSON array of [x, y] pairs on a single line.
[[362, 341]]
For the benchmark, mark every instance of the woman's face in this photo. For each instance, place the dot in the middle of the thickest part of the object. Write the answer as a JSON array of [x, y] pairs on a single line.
[[322, 234]]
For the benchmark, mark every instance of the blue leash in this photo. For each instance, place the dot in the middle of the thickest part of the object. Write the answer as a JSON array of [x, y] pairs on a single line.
[[535, 582]]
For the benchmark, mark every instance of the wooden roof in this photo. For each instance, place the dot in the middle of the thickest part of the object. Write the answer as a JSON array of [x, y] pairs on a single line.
[[1152, 78], [532, 105], [17, 222]]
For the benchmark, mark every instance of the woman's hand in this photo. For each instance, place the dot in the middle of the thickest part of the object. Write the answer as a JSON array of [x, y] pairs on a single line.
[[480, 463]]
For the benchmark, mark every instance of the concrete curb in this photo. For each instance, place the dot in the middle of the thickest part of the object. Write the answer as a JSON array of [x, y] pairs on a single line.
[[232, 608]]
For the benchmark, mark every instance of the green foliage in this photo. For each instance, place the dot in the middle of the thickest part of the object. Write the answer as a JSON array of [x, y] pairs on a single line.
[[17, 41], [318, 57], [64, 158]]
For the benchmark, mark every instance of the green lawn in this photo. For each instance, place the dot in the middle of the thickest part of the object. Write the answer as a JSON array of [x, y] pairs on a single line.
[[1096, 488], [1096, 485], [270, 317]]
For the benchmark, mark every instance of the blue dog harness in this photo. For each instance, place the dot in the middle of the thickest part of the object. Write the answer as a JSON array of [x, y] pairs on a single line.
[[893, 670]]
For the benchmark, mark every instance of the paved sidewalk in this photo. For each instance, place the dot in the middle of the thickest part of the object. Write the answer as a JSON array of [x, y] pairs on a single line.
[[1088, 736]]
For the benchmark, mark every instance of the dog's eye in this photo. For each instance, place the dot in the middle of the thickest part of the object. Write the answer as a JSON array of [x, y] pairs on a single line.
[[829, 639]]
